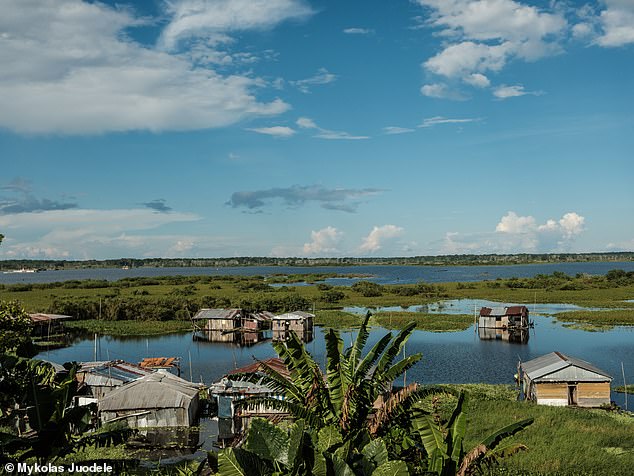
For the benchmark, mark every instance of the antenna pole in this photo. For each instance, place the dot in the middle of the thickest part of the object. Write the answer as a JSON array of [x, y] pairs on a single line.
[[624, 384]]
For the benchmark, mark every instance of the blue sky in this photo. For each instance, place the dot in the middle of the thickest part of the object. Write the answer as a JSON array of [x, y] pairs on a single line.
[[205, 128]]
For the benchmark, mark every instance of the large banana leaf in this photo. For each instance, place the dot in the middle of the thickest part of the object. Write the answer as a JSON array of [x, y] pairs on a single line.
[[337, 381], [392, 468], [376, 452], [328, 437], [457, 427], [238, 462], [267, 441], [394, 349], [354, 353], [296, 441], [431, 435]]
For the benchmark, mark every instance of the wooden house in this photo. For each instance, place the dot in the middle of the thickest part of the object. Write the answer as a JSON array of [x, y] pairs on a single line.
[[559, 380], [218, 319], [503, 317], [232, 419], [298, 321], [232, 320]]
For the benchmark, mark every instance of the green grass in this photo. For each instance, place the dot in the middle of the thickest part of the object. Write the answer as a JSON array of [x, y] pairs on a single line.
[[131, 328], [561, 441], [616, 317], [424, 321], [337, 319], [173, 292]]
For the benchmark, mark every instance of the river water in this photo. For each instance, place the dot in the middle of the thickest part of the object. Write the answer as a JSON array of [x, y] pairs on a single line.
[[380, 274], [449, 357]]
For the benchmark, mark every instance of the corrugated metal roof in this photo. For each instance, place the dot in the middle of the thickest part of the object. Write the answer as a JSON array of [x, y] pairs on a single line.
[[158, 390], [559, 367], [217, 314], [295, 315], [159, 362], [112, 374], [500, 311], [274, 362]]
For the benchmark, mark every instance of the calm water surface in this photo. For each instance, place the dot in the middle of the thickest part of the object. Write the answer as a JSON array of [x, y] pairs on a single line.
[[380, 274], [452, 357]]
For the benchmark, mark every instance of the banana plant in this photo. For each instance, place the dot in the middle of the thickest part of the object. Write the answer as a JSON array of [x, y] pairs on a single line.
[[345, 395], [302, 451], [443, 443]]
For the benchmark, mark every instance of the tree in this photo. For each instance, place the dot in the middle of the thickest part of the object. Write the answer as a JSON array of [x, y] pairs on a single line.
[[15, 329], [59, 427]]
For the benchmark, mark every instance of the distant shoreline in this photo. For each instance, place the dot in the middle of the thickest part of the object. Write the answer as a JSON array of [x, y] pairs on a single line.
[[443, 260]]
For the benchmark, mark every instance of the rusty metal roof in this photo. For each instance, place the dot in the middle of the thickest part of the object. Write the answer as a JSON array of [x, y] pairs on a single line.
[[557, 367], [40, 317], [159, 362], [500, 311], [217, 314], [256, 367]]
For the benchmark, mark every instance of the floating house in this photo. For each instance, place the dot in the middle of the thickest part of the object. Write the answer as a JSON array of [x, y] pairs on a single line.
[[99, 379], [559, 380], [218, 319], [503, 317], [227, 320], [298, 321], [233, 419], [157, 400]]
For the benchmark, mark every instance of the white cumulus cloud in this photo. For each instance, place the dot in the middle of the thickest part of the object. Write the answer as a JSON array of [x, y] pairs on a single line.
[[378, 236], [617, 23], [484, 35], [209, 18], [68, 67], [519, 234], [324, 241]]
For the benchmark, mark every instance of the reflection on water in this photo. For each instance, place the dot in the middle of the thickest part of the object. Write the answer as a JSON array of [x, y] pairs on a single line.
[[451, 357], [241, 339], [518, 336]]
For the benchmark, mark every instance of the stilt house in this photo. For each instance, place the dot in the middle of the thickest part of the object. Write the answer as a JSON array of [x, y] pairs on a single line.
[[503, 317], [559, 380], [298, 321]]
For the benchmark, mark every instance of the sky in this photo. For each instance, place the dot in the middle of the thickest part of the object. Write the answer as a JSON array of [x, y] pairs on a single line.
[[220, 128]]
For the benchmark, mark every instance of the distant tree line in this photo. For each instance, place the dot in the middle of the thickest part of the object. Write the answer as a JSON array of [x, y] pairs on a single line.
[[441, 260]]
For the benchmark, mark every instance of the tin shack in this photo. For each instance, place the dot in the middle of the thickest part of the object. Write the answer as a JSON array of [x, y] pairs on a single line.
[[558, 380], [157, 400]]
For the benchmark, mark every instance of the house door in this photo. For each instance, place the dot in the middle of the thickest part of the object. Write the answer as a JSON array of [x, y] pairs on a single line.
[[572, 394]]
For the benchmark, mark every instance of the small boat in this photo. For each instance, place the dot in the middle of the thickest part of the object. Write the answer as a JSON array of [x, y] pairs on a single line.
[[22, 270]]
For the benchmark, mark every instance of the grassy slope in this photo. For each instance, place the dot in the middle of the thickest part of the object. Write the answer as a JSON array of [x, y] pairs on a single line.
[[564, 441]]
